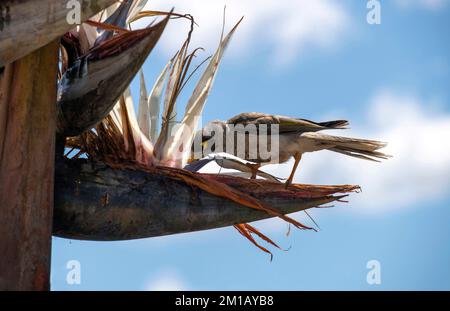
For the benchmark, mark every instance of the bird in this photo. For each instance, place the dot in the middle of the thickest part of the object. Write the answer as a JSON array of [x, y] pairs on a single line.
[[296, 137]]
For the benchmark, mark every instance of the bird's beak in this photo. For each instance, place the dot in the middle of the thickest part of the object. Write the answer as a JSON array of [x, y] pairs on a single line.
[[192, 159]]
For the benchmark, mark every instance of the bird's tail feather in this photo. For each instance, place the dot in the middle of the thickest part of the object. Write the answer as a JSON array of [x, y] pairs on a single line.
[[358, 148], [361, 154]]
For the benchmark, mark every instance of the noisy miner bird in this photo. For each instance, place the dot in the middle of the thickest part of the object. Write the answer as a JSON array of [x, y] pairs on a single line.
[[296, 137]]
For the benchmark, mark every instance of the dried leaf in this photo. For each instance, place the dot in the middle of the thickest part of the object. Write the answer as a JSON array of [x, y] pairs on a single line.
[[152, 13], [143, 110], [106, 26], [136, 141], [136, 8], [154, 102], [243, 230], [184, 135], [260, 235], [179, 67]]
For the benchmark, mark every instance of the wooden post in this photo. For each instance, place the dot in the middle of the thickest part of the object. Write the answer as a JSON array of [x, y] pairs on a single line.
[[27, 142], [28, 25]]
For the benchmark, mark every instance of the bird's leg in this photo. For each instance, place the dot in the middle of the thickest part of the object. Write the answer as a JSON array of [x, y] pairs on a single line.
[[254, 167], [297, 157]]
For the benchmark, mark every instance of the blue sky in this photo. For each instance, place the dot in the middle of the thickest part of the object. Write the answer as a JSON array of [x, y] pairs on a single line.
[[314, 61]]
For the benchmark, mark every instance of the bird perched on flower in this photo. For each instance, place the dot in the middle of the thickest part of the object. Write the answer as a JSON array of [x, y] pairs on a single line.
[[295, 137]]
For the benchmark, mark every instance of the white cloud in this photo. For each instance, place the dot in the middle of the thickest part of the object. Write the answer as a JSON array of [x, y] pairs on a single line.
[[285, 28], [167, 280], [425, 4]]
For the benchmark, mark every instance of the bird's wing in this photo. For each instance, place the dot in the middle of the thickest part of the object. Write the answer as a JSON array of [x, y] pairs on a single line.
[[286, 124], [292, 125], [289, 125], [252, 118]]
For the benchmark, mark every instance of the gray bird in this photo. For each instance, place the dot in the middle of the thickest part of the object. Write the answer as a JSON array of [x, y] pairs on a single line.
[[296, 136]]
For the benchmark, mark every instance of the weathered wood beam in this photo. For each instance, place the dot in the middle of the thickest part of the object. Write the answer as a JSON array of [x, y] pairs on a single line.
[[27, 25], [96, 202], [90, 89], [27, 136]]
